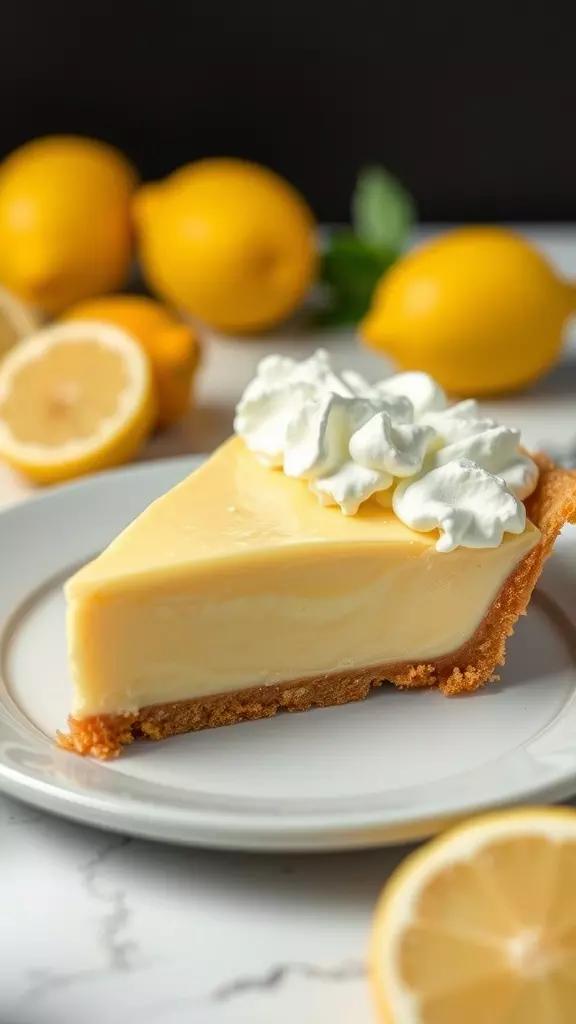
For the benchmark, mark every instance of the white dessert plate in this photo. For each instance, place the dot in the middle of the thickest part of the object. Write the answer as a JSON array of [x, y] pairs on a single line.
[[397, 766]]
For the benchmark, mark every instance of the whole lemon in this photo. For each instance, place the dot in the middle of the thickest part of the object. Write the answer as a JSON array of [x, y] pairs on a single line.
[[478, 308], [65, 230], [229, 241], [171, 345]]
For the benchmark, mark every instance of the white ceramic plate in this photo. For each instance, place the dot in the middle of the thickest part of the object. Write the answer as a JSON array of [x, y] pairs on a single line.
[[394, 767]]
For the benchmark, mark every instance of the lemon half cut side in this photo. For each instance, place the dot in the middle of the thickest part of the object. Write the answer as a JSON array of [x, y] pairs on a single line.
[[74, 398], [479, 926]]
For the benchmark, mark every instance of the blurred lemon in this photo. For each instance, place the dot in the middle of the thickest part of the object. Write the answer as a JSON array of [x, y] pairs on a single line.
[[16, 321], [65, 229], [230, 242], [74, 398], [171, 345], [478, 308], [480, 925]]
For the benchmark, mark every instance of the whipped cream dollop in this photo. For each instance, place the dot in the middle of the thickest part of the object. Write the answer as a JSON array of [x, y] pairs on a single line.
[[471, 507], [442, 467]]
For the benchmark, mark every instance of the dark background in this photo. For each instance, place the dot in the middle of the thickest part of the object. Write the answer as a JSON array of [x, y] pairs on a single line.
[[476, 115]]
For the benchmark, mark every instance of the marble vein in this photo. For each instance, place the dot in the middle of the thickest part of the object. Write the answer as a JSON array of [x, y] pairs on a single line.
[[119, 954], [116, 919], [277, 975]]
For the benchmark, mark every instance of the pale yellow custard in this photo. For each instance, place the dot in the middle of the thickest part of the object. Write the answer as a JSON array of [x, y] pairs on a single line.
[[238, 577]]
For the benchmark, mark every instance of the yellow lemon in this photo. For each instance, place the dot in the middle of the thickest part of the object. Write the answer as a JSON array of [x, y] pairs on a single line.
[[230, 242], [478, 308], [74, 398], [16, 321], [480, 925], [171, 345], [65, 230]]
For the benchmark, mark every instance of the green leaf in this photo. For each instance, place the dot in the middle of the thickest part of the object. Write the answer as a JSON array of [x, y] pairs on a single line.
[[340, 312], [350, 271], [383, 212]]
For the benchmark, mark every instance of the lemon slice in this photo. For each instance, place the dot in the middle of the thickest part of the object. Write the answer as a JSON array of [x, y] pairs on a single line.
[[74, 398], [17, 321], [479, 927]]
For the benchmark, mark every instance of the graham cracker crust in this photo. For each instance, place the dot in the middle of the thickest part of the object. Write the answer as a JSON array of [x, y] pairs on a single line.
[[552, 505]]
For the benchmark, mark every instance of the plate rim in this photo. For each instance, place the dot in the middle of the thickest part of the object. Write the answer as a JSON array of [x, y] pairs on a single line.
[[198, 827]]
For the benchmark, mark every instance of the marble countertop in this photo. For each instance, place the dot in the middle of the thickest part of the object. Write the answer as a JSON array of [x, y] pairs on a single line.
[[96, 927]]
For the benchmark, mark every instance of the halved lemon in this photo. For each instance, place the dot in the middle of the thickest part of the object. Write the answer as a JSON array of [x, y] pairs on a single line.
[[17, 321], [74, 398], [479, 926]]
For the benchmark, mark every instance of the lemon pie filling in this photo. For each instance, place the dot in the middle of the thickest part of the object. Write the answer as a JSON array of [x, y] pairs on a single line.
[[240, 578]]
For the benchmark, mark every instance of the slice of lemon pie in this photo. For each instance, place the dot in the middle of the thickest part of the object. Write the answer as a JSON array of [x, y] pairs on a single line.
[[348, 535]]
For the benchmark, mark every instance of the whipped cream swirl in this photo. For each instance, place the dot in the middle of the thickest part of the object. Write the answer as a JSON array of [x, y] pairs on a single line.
[[439, 467]]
